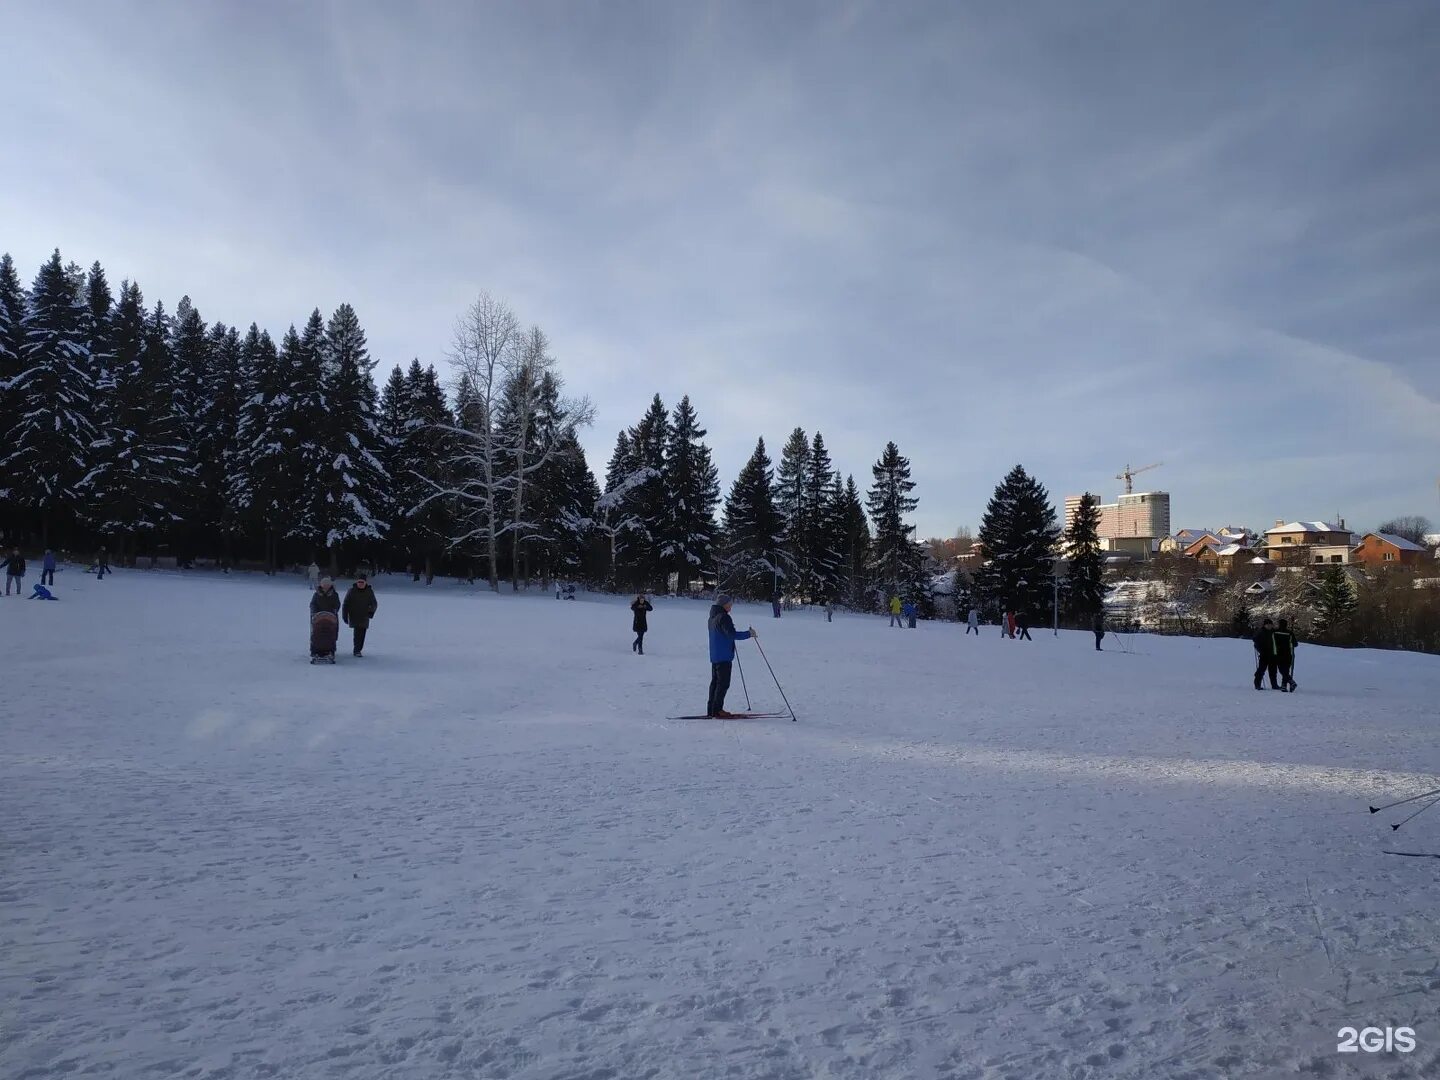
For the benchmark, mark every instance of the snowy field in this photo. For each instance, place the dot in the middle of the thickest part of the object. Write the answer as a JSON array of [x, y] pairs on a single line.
[[482, 852]]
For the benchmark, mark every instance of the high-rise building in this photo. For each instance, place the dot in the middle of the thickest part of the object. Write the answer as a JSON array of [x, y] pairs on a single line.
[[1134, 523]]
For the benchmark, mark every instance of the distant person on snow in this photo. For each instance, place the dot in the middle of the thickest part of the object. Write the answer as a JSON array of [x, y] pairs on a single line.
[[829, 612], [102, 564], [359, 608], [1264, 641], [312, 574], [1007, 625], [1098, 625], [47, 568], [1285, 643], [909, 611], [640, 624], [1024, 623], [723, 636], [972, 622], [42, 593], [775, 605], [895, 612], [15, 572]]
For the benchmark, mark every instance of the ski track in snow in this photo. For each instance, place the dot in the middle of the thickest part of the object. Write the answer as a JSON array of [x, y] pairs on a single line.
[[478, 852]]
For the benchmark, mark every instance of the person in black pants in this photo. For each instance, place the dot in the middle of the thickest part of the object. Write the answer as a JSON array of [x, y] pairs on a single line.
[[723, 636], [640, 606], [1099, 627], [357, 611], [1023, 621], [1285, 643], [1264, 641]]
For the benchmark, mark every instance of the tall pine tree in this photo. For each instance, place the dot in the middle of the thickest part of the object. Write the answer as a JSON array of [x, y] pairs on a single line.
[[691, 485], [823, 541], [754, 531], [792, 500], [895, 561], [1018, 534], [1086, 588]]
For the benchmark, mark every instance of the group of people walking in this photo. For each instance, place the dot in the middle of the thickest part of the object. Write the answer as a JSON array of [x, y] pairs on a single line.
[[1275, 655], [356, 610]]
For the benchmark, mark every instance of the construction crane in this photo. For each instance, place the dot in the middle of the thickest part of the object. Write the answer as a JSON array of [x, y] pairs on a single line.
[[1129, 475]]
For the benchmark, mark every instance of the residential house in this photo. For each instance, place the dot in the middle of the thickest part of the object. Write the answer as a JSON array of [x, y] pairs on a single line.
[[1290, 544], [1183, 539], [1387, 550]]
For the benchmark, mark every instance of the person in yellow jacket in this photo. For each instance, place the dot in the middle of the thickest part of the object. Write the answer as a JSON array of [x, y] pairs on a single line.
[[895, 612]]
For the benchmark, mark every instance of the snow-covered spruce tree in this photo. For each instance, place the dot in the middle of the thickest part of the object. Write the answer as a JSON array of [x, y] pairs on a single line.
[[349, 483], [1086, 591], [855, 552], [391, 415], [274, 426], [566, 513], [754, 531], [140, 455], [824, 532], [190, 365], [1019, 535], [644, 549], [795, 510], [307, 412], [214, 420], [895, 560], [12, 336], [615, 519], [48, 457], [425, 453], [692, 491]]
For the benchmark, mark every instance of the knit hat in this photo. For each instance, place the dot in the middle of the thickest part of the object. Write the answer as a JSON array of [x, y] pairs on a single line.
[[724, 598], [326, 581]]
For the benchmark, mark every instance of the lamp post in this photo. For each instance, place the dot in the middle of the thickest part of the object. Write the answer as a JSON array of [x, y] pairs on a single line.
[[1055, 563]]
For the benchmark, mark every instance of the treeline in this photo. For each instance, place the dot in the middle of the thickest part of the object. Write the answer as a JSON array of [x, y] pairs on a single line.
[[153, 432]]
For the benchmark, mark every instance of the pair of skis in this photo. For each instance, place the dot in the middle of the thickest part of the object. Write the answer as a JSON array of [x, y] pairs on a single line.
[[736, 716]]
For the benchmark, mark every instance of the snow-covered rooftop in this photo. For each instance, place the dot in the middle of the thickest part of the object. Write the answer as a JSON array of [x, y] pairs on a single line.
[[1306, 527], [1399, 541]]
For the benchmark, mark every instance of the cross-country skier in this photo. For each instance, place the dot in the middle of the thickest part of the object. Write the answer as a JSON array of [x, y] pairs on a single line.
[[972, 622], [15, 572], [359, 608], [324, 601], [895, 607], [1098, 625], [640, 624], [723, 636], [909, 611], [1264, 641], [47, 568], [1285, 642]]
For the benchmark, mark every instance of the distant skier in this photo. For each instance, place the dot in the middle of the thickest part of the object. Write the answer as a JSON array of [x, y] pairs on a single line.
[[47, 568], [324, 622], [312, 574], [42, 593], [895, 607], [723, 636], [972, 622], [640, 624], [1264, 641], [1285, 643], [775, 605], [1098, 625], [909, 610], [357, 611], [15, 572], [102, 564], [1023, 621]]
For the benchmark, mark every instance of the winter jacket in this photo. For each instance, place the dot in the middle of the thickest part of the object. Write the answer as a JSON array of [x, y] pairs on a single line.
[[325, 600], [1264, 642], [49, 562], [723, 635], [973, 618], [894, 605], [908, 610], [359, 607], [15, 565], [1284, 645], [1098, 623], [640, 607]]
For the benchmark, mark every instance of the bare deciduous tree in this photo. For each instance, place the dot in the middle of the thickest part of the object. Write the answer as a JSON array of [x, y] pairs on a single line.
[[1412, 527]]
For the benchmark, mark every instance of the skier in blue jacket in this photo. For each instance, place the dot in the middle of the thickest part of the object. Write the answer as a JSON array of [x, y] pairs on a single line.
[[723, 636]]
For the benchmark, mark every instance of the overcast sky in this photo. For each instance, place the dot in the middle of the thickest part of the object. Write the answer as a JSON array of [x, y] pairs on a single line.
[[1070, 235]]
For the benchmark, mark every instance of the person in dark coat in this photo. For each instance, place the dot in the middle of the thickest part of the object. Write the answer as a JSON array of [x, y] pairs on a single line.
[[1098, 625], [325, 598], [1285, 643], [15, 572], [359, 608], [641, 607], [102, 564], [1264, 641], [47, 568], [322, 638], [1023, 621], [723, 636]]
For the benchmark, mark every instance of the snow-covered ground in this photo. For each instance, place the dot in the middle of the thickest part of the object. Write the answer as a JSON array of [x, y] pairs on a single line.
[[482, 852]]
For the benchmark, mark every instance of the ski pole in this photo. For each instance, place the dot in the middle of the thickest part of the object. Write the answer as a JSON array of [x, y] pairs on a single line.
[[748, 707], [1417, 813], [777, 681], [1399, 802]]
